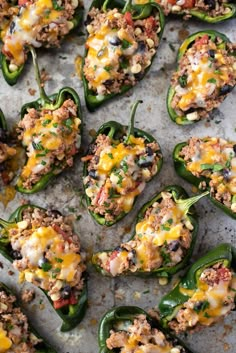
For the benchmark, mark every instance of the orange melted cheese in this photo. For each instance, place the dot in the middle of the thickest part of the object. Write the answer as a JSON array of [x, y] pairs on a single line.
[[5, 342], [63, 264], [215, 296], [203, 78], [33, 16], [45, 138]]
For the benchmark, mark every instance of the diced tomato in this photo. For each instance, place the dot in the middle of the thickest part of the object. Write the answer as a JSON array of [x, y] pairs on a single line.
[[64, 302], [202, 40], [188, 4], [128, 18], [172, 2], [223, 274], [22, 2], [102, 196], [60, 231], [87, 158], [5, 177], [73, 151]]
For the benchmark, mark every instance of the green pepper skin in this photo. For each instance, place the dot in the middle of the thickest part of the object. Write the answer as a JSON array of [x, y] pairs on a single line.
[[93, 101], [182, 171], [12, 77], [127, 314], [180, 194], [172, 300], [41, 347], [3, 124], [203, 16], [71, 315], [56, 101], [117, 130], [182, 120]]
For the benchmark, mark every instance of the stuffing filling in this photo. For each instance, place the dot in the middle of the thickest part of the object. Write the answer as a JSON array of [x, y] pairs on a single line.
[[6, 154], [15, 336], [120, 49], [162, 238], [213, 299], [37, 23], [47, 254], [215, 159], [140, 337], [206, 74], [117, 173], [212, 8], [52, 138]]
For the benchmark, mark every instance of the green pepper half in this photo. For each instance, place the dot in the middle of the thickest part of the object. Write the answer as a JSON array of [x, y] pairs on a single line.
[[120, 318], [11, 77], [184, 204], [71, 315], [182, 120], [204, 16], [117, 131], [93, 100], [52, 102], [41, 347], [171, 302], [181, 170]]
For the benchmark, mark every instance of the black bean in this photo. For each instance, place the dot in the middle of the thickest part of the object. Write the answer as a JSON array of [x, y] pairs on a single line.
[[66, 292], [93, 174], [12, 27], [108, 83], [88, 20], [54, 213], [226, 173], [174, 245], [234, 148], [141, 47], [211, 53], [198, 306], [189, 111], [119, 248], [145, 161], [210, 3], [3, 135], [91, 148], [2, 167], [149, 151], [115, 41], [42, 261], [139, 76], [226, 89], [16, 255]]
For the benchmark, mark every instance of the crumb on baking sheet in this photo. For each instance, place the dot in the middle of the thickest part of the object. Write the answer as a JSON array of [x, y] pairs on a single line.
[[27, 295]]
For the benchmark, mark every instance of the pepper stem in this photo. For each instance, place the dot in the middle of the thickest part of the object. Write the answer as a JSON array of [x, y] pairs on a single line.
[[184, 205], [43, 96], [127, 7], [104, 6], [130, 131]]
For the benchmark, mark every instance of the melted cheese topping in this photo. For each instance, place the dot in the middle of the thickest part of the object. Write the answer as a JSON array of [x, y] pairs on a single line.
[[151, 235], [48, 140], [212, 158], [214, 296], [62, 262], [31, 19], [5, 342], [205, 75], [112, 176]]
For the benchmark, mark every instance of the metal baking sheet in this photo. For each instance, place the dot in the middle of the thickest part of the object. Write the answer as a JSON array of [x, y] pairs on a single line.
[[65, 192]]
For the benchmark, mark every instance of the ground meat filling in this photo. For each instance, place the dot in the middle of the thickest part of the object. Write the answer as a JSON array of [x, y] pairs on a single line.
[[117, 173], [212, 8], [47, 254], [6, 153], [15, 336], [140, 337], [119, 49], [206, 74], [162, 238], [213, 158], [213, 299], [37, 23], [51, 138]]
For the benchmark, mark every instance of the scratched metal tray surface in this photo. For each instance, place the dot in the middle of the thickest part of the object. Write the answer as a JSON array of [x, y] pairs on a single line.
[[65, 192]]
